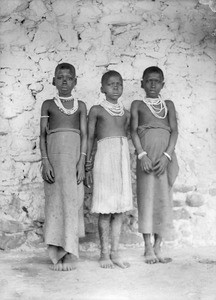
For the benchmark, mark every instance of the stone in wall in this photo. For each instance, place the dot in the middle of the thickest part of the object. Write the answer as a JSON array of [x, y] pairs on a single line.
[[10, 7], [195, 199]]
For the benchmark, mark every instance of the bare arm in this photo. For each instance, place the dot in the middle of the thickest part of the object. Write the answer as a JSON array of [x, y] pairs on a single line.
[[173, 126], [134, 126], [47, 170], [146, 163], [161, 163], [92, 121], [83, 129], [127, 123], [83, 143]]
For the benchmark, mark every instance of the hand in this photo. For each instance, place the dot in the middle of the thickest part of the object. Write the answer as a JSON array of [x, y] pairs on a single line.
[[48, 172], [80, 171], [88, 179], [89, 165], [160, 165], [146, 164]]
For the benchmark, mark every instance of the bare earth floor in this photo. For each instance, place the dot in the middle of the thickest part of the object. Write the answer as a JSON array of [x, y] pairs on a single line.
[[25, 275]]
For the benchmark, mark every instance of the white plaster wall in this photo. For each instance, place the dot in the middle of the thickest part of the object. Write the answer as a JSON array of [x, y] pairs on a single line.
[[97, 35]]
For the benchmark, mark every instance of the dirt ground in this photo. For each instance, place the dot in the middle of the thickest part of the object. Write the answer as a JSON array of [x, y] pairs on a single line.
[[25, 275]]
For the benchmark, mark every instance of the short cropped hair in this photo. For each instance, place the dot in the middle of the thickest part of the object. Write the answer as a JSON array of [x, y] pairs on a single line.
[[109, 74], [153, 69], [64, 66]]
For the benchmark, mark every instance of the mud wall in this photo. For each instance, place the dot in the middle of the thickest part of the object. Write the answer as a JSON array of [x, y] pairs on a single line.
[[97, 35]]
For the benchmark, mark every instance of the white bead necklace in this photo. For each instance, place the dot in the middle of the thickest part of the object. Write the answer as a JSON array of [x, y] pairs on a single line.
[[116, 110], [67, 111], [156, 106]]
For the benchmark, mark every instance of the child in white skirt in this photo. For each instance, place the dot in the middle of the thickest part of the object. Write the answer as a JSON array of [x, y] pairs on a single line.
[[112, 190]]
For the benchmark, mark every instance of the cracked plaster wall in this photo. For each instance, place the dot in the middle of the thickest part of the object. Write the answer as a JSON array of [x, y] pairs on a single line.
[[97, 35]]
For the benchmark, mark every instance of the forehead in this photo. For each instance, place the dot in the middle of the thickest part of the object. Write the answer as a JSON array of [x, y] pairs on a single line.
[[114, 78], [65, 71], [153, 75]]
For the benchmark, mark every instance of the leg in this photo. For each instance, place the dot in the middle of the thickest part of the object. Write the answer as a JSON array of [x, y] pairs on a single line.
[[150, 257], [116, 224], [157, 250], [103, 228]]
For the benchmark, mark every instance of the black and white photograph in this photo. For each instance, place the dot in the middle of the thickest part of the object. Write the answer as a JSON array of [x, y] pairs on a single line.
[[107, 149]]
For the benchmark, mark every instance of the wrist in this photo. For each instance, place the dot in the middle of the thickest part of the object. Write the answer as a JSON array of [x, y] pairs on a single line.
[[140, 155], [167, 156], [44, 159]]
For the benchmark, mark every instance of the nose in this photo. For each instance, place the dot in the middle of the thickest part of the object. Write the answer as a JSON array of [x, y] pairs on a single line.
[[153, 83]]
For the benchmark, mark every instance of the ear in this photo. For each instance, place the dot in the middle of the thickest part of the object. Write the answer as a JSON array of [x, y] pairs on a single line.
[[163, 84], [102, 90], [53, 81], [142, 84], [75, 81]]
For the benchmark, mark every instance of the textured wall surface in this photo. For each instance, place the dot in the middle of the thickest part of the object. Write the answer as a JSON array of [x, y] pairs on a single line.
[[97, 35]]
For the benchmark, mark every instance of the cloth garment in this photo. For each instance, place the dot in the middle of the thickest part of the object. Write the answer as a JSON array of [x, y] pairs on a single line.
[[112, 191], [154, 194], [64, 221]]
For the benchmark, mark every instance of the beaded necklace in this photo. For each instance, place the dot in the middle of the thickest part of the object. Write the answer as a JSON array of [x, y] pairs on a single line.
[[161, 106], [116, 110], [67, 111]]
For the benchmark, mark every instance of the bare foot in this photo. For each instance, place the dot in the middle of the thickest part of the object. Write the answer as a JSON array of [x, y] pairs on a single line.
[[161, 259], [150, 257], [105, 262], [68, 263], [116, 259], [57, 267]]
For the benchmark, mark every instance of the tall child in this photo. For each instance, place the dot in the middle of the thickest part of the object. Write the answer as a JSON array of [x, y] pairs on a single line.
[[112, 192], [154, 133], [63, 144]]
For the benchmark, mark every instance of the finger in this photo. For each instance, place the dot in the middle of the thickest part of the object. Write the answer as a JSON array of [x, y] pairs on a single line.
[[48, 180], [50, 177], [156, 167], [52, 174]]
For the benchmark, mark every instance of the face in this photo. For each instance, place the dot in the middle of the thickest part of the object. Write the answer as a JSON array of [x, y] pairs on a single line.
[[112, 88], [64, 81], [152, 84]]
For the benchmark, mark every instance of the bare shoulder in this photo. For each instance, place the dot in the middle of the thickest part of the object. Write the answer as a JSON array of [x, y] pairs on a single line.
[[95, 110], [46, 106], [136, 104], [82, 105], [47, 102], [170, 105]]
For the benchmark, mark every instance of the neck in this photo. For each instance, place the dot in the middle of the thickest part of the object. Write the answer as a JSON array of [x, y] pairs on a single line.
[[112, 101], [149, 96], [65, 96]]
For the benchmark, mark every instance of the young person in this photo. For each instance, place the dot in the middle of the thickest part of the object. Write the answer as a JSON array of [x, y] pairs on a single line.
[[154, 133], [63, 144], [112, 192]]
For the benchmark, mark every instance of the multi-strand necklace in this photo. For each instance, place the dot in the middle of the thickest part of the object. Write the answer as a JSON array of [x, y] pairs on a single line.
[[156, 106], [116, 110], [68, 111]]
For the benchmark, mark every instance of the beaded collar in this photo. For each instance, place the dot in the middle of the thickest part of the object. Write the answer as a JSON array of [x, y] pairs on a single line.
[[116, 110], [68, 111], [156, 106]]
